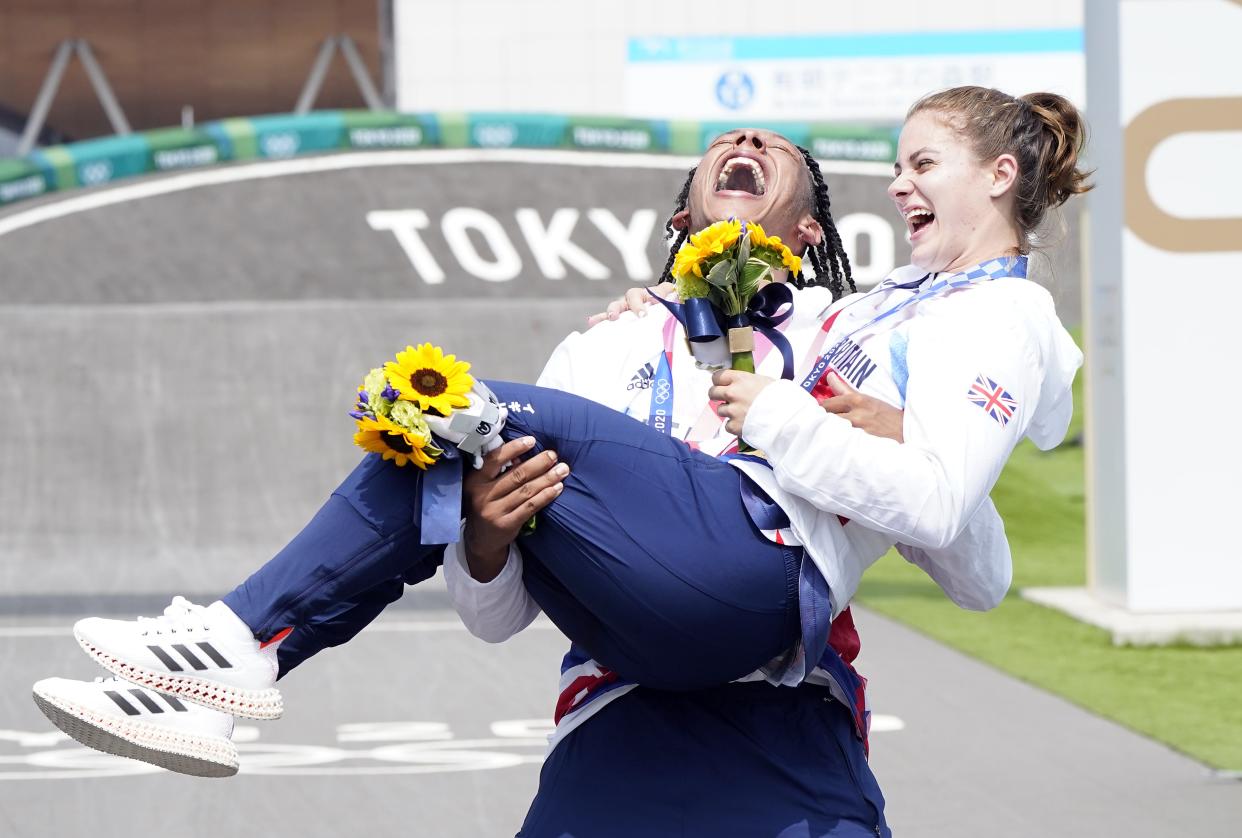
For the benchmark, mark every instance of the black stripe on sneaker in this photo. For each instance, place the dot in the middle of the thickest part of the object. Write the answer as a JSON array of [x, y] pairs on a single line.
[[220, 660], [172, 702], [146, 700], [189, 656], [130, 710], [165, 658]]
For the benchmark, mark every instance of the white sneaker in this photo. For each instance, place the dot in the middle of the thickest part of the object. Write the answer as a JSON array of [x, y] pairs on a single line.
[[204, 655], [116, 717], [474, 429]]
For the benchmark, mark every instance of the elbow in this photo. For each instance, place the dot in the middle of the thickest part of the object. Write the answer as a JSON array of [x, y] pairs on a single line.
[[490, 634], [980, 600], [987, 596]]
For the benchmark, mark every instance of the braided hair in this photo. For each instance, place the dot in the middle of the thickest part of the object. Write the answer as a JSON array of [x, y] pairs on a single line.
[[676, 243], [832, 266]]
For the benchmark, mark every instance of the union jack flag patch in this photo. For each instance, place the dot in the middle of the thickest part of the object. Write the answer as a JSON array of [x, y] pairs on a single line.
[[993, 399]]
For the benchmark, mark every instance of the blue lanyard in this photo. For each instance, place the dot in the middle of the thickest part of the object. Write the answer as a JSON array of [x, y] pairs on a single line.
[[1012, 266], [660, 414]]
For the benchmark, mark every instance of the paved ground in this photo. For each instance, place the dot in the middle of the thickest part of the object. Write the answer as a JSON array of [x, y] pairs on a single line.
[[419, 729]]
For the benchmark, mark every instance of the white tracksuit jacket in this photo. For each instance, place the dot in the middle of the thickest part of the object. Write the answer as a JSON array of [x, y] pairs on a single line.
[[975, 370]]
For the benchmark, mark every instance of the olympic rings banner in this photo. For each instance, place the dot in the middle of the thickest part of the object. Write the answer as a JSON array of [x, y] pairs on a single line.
[[93, 162]]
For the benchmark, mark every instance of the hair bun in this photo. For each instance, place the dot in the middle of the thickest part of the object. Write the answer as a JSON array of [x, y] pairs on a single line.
[[1067, 137]]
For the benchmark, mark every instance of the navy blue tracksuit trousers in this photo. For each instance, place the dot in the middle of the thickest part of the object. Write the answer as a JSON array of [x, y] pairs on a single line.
[[648, 559]]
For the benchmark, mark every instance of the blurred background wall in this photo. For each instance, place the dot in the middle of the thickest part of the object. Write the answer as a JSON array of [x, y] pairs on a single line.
[[643, 58], [222, 58], [828, 60]]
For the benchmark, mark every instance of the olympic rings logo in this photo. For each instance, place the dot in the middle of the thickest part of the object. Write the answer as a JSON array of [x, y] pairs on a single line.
[[663, 390]]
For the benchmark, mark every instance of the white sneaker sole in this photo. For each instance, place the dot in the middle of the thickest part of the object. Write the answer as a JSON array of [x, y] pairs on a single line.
[[248, 704], [184, 753]]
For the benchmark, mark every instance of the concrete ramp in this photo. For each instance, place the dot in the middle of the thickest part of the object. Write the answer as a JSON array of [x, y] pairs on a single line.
[[174, 447]]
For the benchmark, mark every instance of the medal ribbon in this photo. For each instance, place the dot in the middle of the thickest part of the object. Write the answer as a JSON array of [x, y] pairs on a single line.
[[1012, 266]]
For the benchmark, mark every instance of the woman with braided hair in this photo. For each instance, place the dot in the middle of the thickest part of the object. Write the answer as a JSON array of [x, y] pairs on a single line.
[[832, 267], [827, 255]]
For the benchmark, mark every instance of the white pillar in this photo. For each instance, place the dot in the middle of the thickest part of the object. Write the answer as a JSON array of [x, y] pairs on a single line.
[[1163, 309]]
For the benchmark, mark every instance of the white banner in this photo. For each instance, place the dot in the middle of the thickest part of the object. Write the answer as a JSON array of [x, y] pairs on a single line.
[[862, 77]]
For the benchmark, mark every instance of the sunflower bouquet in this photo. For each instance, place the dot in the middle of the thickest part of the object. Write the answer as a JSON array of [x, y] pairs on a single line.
[[394, 401], [724, 266]]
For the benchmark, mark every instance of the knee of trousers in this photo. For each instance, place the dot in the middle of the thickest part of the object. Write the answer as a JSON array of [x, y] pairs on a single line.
[[377, 492]]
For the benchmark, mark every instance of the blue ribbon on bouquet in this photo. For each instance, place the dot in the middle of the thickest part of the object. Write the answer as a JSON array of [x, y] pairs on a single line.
[[439, 498], [769, 308], [699, 319]]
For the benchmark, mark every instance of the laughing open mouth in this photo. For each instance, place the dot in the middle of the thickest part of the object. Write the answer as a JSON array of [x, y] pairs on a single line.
[[919, 218], [741, 174]]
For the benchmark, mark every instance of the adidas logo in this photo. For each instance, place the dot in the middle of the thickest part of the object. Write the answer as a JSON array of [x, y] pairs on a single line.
[[146, 699], [642, 378], [164, 653]]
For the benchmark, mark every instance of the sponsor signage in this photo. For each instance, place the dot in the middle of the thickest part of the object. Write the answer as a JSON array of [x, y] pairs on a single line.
[[858, 76], [596, 134], [181, 149], [20, 179], [364, 129]]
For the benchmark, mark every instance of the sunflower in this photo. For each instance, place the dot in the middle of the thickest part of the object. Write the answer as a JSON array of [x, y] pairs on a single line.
[[716, 239], [689, 262], [381, 436], [759, 238], [793, 263], [435, 381]]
